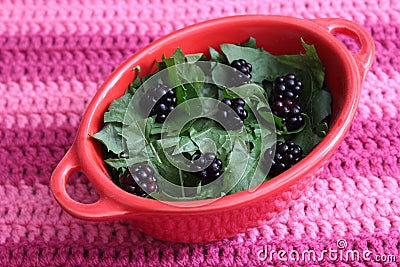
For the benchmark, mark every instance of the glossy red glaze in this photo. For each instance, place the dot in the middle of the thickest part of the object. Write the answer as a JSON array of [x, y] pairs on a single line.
[[235, 213]]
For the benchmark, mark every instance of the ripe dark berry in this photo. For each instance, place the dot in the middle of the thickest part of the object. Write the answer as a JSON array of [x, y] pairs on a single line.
[[139, 180], [234, 116], [237, 104], [287, 87], [164, 105], [207, 167], [289, 112], [242, 66], [287, 154], [294, 122]]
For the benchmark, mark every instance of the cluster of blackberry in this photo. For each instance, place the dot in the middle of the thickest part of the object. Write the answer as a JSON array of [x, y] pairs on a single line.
[[242, 73], [207, 167], [233, 116], [243, 66], [285, 93], [164, 105], [139, 180], [286, 155]]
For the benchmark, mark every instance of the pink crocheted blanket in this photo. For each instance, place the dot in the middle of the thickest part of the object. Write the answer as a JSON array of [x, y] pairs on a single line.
[[55, 54]]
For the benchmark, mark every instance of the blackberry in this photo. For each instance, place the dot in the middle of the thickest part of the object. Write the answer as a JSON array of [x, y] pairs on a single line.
[[289, 112], [233, 116], [242, 66], [288, 87], [207, 168], [164, 105], [139, 180], [287, 154], [237, 104]]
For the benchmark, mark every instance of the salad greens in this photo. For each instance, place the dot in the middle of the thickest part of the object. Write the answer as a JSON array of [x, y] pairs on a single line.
[[123, 142]]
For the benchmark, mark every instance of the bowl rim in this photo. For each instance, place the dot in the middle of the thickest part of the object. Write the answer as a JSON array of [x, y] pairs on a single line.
[[318, 155]]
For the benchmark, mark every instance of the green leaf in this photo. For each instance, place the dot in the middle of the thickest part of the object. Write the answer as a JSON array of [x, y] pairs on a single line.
[[117, 109], [136, 142], [209, 90], [235, 175], [252, 174], [135, 84], [191, 58], [161, 65], [278, 123], [185, 129], [265, 65], [210, 138], [308, 61], [215, 56], [165, 63], [307, 139], [163, 165], [185, 145], [192, 78], [168, 142], [267, 86], [308, 88], [321, 103], [156, 128], [177, 56], [149, 125], [189, 73], [254, 96], [250, 43], [180, 94], [117, 163], [187, 77], [220, 76], [110, 136]]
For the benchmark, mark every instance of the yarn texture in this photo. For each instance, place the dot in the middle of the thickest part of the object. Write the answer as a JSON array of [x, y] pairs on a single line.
[[54, 55]]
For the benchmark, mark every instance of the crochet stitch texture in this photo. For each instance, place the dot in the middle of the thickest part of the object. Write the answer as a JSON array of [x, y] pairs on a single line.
[[53, 58]]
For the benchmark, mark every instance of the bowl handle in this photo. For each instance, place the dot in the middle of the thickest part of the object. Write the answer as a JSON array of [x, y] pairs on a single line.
[[364, 57], [103, 209]]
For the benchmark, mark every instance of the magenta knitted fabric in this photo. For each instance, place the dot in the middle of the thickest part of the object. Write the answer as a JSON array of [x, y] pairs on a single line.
[[55, 54]]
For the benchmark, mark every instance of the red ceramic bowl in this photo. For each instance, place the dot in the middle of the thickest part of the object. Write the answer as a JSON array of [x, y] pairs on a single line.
[[232, 214]]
